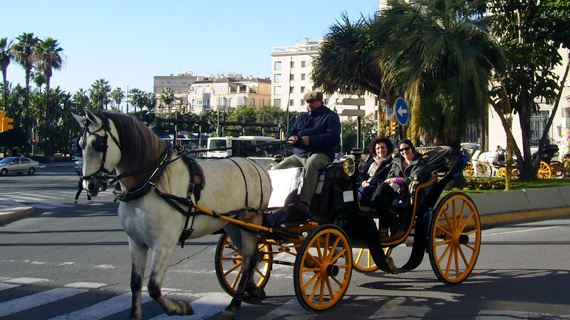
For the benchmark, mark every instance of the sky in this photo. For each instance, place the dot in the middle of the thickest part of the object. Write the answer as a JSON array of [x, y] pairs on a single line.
[[129, 42]]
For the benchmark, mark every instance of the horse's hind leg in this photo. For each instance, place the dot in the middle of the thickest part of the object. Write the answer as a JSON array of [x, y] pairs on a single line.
[[249, 254], [138, 263], [160, 259]]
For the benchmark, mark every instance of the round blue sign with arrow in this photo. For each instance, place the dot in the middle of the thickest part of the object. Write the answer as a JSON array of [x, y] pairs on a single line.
[[401, 109]]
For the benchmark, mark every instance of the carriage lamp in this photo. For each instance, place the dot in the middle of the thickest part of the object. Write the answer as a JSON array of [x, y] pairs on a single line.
[[348, 166]]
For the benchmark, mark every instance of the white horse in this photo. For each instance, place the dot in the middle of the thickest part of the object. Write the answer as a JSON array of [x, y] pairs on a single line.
[[159, 193]]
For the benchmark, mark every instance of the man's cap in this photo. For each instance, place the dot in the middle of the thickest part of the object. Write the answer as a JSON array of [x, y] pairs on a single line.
[[313, 95]]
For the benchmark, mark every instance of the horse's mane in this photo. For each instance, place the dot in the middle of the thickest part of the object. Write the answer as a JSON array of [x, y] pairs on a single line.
[[140, 147]]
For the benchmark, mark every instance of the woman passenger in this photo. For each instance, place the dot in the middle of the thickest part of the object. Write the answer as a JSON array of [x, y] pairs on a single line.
[[376, 168]]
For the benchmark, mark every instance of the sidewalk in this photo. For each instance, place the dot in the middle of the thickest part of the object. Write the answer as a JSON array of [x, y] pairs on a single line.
[[495, 209]]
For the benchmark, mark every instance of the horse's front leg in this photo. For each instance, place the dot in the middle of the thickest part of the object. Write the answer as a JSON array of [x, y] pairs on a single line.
[[138, 263], [160, 258]]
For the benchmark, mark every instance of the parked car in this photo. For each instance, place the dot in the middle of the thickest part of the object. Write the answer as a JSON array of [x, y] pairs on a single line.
[[18, 165]]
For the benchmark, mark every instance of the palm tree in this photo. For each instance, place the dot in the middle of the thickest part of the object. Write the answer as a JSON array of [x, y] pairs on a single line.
[[48, 56], [117, 96], [441, 55], [23, 52], [136, 98], [5, 58], [345, 62], [99, 92], [167, 97], [81, 99]]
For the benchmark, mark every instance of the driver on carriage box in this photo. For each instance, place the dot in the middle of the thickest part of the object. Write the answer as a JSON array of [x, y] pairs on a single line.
[[314, 135]]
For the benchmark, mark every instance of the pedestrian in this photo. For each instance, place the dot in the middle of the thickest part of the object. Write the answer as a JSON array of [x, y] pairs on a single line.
[[80, 187]]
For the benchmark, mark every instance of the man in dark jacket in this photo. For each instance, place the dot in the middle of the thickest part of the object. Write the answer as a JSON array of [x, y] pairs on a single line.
[[314, 135]]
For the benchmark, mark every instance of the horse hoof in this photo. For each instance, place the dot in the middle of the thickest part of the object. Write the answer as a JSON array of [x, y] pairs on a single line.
[[227, 315], [261, 294], [186, 308]]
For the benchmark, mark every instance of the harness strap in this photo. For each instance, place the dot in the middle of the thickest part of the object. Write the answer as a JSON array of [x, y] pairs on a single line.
[[244, 181], [144, 188]]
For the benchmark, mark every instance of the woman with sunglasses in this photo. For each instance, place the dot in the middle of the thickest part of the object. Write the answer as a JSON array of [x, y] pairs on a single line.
[[391, 198], [376, 167]]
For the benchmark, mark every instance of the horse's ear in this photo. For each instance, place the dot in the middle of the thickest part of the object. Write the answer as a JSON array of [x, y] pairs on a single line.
[[81, 120], [95, 120]]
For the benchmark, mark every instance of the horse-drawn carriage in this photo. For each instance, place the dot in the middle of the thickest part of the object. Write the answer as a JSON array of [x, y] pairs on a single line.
[[494, 164], [341, 234], [166, 199]]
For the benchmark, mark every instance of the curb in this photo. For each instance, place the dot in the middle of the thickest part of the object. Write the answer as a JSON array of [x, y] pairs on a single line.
[[16, 214]]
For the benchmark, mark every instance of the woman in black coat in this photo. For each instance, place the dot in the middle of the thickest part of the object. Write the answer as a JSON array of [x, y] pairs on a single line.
[[376, 168]]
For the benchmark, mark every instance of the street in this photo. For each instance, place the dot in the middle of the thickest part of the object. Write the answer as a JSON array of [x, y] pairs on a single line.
[[69, 261]]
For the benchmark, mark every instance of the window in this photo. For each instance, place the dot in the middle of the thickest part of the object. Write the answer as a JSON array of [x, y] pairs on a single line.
[[302, 102], [292, 64], [292, 77], [277, 90], [277, 65], [303, 64], [253, 102], [537, 124], [277, 102], [292, 90], [291, 102], [277, 78], [303, 76], [302, 89]]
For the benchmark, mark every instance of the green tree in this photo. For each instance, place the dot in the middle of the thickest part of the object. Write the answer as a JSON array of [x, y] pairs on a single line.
[[81, 99], [99, 93], [117, 95], [48, 56], [23, 52], [345, 62], [5, 59], [441, 58], [531, 33], [167, 97]]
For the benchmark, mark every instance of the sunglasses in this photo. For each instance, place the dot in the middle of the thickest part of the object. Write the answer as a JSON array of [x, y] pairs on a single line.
[[405, 149]]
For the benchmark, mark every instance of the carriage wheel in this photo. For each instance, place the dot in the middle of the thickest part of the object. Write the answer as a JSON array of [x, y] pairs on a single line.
[[363, 262], [502, 172], [468, 171], [228, 265], [323, 268], [455, 238], [484, 169], [557, 169], [567, 167], [544, 171]]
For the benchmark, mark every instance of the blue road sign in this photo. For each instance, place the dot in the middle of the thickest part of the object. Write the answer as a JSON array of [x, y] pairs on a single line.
[[402, 113]]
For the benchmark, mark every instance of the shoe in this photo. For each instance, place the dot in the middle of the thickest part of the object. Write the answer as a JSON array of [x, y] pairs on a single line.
[[274, 219], [75, 201]]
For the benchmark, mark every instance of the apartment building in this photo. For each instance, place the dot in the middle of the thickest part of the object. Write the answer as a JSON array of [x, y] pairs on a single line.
[[291, 79], [197, 94]]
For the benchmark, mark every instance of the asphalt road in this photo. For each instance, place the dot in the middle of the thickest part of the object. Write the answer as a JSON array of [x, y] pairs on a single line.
[[72, 261]]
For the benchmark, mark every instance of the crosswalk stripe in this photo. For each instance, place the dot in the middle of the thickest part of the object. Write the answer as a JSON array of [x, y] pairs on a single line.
[[26, 280], [37, 299], [290, 310], [205, 307], [6, 286], [104, 308]]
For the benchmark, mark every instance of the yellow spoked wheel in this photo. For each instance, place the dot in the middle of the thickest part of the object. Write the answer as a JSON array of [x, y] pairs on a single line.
[[544, 171], [363, 262], [484, 169], [557, 169], [323, 268], [228, 265], [566, 164], [455, 238], [502, 172], [469, 171]]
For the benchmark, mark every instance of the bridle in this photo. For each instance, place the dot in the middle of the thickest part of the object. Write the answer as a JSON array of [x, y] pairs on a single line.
[[100, 145]]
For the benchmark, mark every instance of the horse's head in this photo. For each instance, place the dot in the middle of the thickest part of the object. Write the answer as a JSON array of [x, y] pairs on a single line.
[[101, 150]]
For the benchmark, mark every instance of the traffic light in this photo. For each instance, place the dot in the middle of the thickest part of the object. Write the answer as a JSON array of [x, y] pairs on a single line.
[[33, 140], [393, 127], [5, 122]]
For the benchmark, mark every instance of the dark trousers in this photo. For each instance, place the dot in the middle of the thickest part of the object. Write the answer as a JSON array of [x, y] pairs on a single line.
[[79, 189], [382, 200]]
